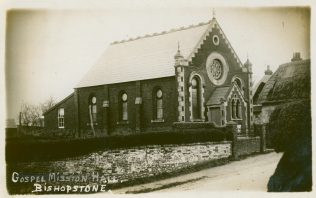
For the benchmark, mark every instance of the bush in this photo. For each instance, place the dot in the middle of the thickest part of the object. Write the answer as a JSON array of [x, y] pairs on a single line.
[[290, 125]]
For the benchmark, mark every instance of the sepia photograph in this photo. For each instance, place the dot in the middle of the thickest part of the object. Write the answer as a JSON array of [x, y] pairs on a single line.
[[147, 98]]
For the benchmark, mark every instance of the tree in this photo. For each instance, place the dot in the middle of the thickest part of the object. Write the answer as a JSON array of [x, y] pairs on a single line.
[[49, 103], [31, 114]]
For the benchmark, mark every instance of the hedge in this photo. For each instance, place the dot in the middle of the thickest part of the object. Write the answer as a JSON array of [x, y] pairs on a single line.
[[25, 149], [290, 124]]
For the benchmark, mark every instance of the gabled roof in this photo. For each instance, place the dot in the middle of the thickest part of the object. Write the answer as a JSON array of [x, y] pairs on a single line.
[[59, 103], [218, 94], [148, 57], [222, 93]]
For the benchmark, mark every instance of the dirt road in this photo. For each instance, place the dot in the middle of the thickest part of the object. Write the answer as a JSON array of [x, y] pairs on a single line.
[[250, 174]]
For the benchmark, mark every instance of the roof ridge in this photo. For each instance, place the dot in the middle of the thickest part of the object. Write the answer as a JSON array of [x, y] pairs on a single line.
[[161, 33]]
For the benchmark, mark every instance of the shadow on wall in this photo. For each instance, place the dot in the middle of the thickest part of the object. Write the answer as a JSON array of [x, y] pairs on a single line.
[[290, 127]]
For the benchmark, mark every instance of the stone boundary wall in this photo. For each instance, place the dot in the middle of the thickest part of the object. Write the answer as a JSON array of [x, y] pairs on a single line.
[[247, 145], [120, 165]]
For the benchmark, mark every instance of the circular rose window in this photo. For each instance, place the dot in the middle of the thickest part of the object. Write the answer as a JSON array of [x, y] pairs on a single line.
[[216, 68]]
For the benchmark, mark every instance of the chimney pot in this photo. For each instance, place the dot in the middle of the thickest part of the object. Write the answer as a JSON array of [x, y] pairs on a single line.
[[296, 57]]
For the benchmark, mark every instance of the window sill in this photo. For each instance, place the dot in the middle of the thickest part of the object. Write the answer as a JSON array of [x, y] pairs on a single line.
[[89, 124], [61, 127], [236, 119], [123, 122], [197, 120], [157, 121]]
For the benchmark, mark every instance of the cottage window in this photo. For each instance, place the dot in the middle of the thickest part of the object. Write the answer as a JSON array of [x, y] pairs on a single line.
[[196, 97], [93, 109], [61, 121], [124, 111]]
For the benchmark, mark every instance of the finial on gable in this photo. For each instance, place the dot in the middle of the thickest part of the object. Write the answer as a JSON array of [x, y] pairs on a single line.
[[214, 14], [178, 54]]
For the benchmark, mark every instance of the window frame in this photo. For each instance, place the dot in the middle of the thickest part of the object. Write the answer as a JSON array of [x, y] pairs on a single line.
[[198, 93], [93, 106], [156, 106], [61, 118], [236, 108], [123, 105]]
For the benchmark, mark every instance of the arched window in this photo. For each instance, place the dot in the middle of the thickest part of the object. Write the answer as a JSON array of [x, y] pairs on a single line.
[[124, 110], [238, 82], [61, 121], [196, 97], [158, 104], [93, 108], [233, 111], [236, 108]]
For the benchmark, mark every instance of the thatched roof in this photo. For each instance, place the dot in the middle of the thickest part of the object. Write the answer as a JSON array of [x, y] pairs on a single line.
[[291, 81]]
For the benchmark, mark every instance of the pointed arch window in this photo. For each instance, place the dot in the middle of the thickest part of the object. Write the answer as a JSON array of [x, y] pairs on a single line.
[[196, 97], [93, 108], [233, 108], [124, 109], [236, 108], [238, 82]]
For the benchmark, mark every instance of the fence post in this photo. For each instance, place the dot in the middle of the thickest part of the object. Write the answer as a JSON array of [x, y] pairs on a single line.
[[232, 127], [262, 138]]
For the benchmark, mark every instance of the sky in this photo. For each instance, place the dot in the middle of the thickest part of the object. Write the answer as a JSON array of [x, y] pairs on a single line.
[[49, 50]]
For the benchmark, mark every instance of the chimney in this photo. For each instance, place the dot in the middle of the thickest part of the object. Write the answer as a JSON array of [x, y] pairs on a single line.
[[268, 71], [296, 57]]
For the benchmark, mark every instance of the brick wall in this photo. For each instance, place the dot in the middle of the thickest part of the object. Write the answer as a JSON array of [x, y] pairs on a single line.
[[138, 162], [199, 66], [247, 145], [111, 93], [147, 87]]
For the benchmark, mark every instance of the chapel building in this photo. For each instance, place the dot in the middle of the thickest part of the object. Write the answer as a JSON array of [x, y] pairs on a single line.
[[146, 84]]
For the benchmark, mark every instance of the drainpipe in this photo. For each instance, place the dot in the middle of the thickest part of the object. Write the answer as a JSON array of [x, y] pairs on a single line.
[[91, 121]]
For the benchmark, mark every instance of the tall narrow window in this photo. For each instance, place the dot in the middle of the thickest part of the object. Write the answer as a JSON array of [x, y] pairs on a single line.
[[61, 121], [159, 108], [124, 111], [238, 109], [233, 111], [196, 98], [93, 109]]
